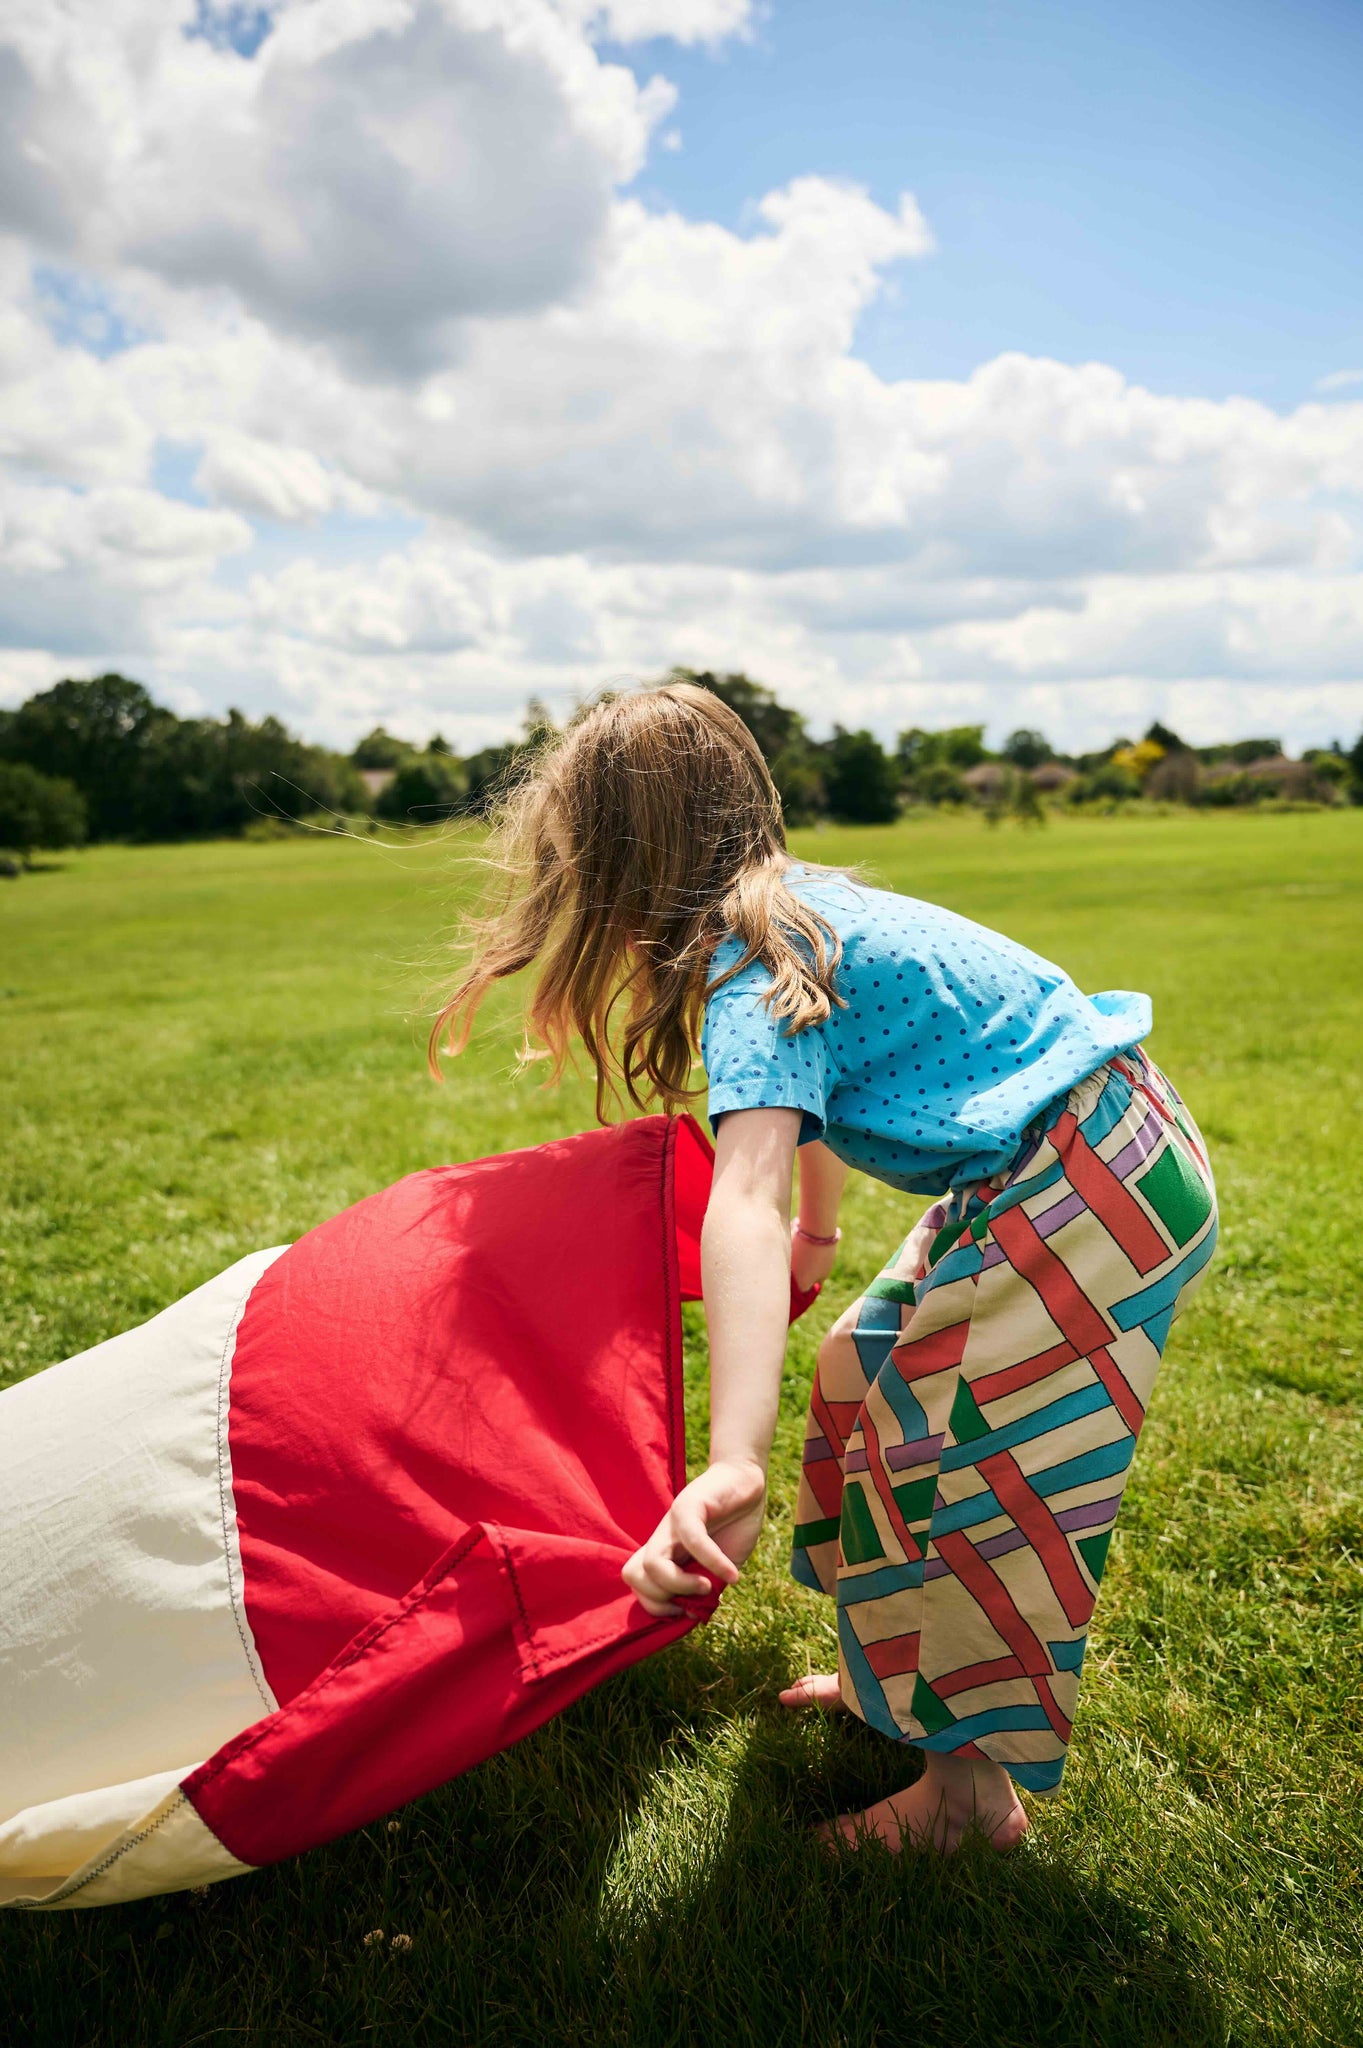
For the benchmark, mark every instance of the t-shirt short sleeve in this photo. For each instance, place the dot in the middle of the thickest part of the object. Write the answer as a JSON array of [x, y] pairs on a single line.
[[751, 1059]]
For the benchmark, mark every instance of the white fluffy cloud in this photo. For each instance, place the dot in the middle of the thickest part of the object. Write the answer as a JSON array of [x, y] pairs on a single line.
[[383, 277]]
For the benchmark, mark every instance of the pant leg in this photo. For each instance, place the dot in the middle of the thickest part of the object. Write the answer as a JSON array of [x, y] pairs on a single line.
[[984, 1474], [851, 1359]]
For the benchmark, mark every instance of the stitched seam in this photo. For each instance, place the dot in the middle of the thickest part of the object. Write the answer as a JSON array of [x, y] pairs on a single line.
[[609, 1635], [247, 1741], [509, 1568], [69, 1890], [228, 1351]]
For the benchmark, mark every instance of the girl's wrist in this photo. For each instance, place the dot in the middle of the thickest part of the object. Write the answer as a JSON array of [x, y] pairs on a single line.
[[821, 1236], [739, 1461]]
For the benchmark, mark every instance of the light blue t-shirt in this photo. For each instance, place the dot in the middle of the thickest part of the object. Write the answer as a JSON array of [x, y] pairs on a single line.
[[953, 1042]]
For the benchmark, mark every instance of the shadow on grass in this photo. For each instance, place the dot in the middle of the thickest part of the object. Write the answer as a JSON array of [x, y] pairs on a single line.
[[639, 1874]]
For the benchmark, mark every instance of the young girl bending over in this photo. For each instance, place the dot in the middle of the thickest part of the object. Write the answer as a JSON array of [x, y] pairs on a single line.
[[974, 1414]]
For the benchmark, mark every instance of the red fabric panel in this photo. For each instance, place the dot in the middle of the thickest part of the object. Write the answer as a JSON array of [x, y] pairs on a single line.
[[455, 1410], [693, 1164], [491, 1342], [427, 1691]]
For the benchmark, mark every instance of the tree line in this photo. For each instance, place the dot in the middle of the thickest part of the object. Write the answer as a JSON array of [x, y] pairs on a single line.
[[100, 759]]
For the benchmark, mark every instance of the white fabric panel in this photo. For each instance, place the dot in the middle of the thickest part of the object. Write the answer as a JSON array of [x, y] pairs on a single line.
[[124, 1643], [165, 1849], [41, 1847]]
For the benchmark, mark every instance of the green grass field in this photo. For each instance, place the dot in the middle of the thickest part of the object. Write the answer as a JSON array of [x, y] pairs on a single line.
[[208, 1049]]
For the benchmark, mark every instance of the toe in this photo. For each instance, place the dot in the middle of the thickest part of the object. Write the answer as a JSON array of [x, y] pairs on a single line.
[[820, 1689]]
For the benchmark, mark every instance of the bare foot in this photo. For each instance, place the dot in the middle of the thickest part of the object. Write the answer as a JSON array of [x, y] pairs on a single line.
[[953, 1794], [820, 1689]]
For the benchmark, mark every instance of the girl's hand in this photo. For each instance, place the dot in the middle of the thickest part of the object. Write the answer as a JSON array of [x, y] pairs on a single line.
[[809, 1262], [715, 1522]]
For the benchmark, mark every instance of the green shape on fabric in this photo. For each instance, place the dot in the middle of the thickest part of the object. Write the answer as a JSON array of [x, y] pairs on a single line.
[[1093, 1550], [945, 1239], [928, 1709], [807, 1534], [914, 1499], [892, 1290], [967, 1423], [1177, 1193], [979, 1229], [861, 1542]]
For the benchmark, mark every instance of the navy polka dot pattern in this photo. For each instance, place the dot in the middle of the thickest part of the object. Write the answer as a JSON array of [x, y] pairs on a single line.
[[953, 1041]]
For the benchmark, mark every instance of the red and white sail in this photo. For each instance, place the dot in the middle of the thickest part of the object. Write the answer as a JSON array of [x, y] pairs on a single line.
[[344, 1521]]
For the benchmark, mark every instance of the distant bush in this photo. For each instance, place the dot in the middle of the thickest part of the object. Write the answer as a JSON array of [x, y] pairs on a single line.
[[380, 749], [861, 781], [38, 811], [426, 789], [1026, 748], [143, 773], [1110, 783], [958, 746], [939, 783]]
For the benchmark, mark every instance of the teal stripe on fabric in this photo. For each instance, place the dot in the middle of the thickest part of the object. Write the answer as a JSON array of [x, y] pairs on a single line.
[[1069, 1407], [990, 1722], [957, 1265], [879, 1318], [1104, 1463], [1158, 1328], [908, 1410], [875, 1708], [1068, 1656], [803, 1572], [1037, 1777], [1108, 1111], [875, 1336], [1025, 1189], [964, 1514], [1152, 1301], [891, 1578]]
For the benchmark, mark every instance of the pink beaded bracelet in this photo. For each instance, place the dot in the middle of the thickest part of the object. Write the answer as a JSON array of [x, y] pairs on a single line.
[[810, 1238]]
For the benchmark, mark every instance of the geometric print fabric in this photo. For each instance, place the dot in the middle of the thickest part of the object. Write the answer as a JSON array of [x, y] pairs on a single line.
[[974, 1416]]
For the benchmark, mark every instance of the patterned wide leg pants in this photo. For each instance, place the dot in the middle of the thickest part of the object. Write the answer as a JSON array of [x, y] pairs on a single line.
[[974, 1417]]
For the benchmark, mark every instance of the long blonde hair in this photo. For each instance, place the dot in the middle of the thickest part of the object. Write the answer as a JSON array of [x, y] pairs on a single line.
[[632, 845]]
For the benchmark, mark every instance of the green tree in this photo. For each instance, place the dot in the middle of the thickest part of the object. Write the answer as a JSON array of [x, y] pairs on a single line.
[[210, 776], [1164, 737], [38, 810], [97, 735], [1109, 783], [940, 783], [146, 774], [958, 746], [488, 774], [1354, 758], [426, 789], [798, 772], [383, 749], [1241, 752], [1027, 748], [860, 778]]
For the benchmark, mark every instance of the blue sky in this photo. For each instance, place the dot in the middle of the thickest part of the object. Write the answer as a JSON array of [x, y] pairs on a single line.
[[1173, 189], [397, 360]]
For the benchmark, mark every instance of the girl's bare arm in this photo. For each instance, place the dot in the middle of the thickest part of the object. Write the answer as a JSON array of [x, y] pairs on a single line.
[[745, 1274], [822, 1180]]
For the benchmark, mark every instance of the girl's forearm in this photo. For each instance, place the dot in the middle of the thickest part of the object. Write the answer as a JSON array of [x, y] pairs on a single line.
[[745, 1276], [822, 1180], [745, 1273]]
